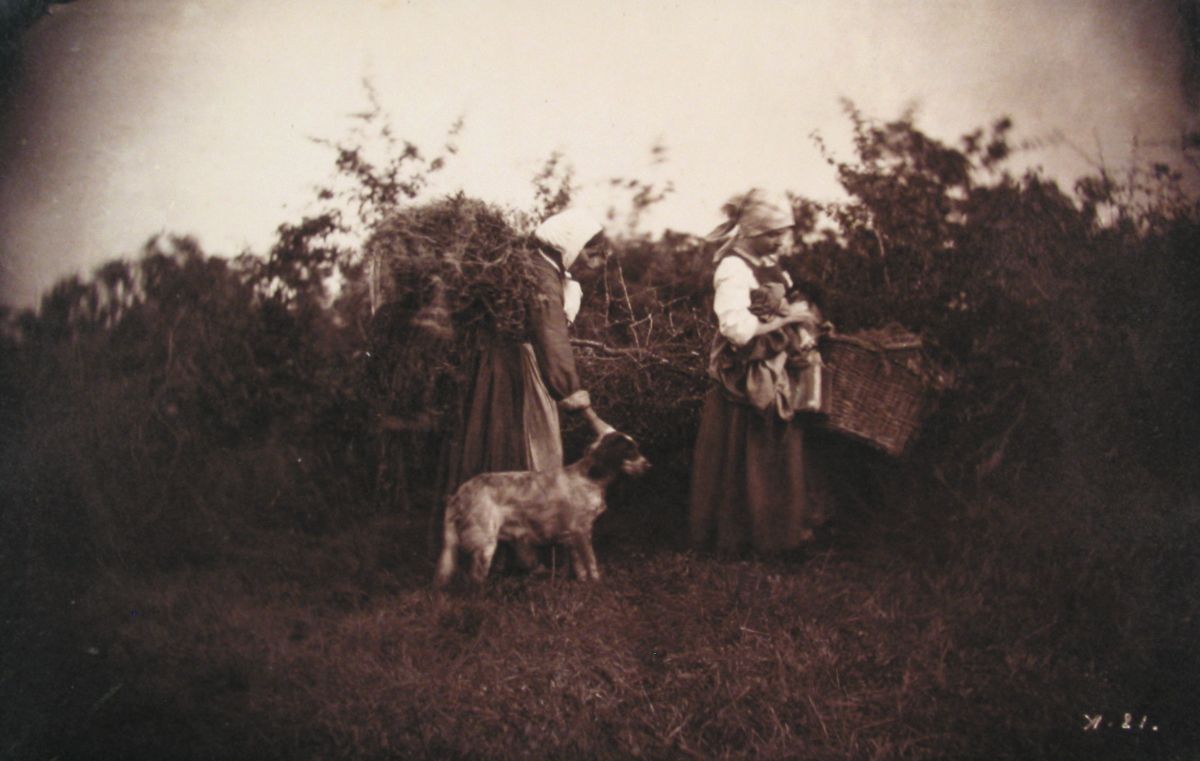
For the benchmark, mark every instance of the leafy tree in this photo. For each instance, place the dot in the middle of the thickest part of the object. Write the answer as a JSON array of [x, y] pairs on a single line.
[[376, 171], [553, 186], [1043, 311]]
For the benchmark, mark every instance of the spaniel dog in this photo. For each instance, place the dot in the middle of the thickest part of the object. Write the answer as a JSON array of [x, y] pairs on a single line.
[[529, 508]]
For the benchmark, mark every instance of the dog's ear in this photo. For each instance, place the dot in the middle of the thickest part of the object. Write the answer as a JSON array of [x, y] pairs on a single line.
[[613, 449]]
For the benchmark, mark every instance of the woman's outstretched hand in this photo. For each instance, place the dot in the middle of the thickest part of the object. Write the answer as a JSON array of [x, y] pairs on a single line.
[[598, 425]]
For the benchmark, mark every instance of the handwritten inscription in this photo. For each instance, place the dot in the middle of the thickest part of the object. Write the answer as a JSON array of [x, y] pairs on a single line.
[[1127, 722]]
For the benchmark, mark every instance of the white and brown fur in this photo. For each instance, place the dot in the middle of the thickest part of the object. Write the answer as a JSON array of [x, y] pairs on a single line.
[[530, 508]]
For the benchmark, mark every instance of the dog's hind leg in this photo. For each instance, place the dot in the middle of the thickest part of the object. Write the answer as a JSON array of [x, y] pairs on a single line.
[[481, 561], [449, 557]]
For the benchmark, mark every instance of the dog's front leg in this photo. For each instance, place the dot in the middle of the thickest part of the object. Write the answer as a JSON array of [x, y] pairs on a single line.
[[583, 557]]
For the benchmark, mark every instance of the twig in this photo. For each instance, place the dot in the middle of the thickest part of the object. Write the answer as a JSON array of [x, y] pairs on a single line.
[[628, 303], [820, 718], [887, 280], [598, 346], [644, 355]]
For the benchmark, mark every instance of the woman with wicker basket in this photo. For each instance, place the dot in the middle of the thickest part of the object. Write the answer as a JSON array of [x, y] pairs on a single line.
[[757, 482], [518, 388]]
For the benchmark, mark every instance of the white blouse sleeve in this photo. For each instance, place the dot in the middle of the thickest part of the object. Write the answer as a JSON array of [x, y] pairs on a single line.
[[733, 282]]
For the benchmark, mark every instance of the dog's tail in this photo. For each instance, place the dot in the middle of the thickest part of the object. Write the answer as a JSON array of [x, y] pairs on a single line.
[[449, 557]]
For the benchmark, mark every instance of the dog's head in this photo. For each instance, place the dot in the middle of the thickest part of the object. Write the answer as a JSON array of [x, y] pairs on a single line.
[[614, 453]]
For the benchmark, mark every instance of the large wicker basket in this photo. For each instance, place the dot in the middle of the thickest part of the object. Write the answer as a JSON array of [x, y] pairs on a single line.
[[875, 388]]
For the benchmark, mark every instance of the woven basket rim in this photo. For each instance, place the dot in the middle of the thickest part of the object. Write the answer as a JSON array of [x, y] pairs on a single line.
[[894, 344]]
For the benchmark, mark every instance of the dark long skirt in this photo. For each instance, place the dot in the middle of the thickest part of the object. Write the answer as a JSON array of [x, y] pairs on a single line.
[[757, 481], [489, 438], [509, 421]]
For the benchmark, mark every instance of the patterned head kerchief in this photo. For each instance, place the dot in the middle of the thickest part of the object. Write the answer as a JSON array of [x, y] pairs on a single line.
[[568, 232], [752, 213]]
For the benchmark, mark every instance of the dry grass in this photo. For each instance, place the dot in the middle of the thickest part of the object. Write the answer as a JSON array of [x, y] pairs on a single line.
[[878, 645]]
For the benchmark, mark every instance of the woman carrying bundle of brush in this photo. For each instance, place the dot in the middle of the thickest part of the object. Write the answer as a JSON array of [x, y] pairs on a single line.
[[757, 481], [511, 419]]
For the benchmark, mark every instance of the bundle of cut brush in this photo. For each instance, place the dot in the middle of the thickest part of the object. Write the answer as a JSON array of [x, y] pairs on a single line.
[[457, 258], [441, 275], [880, 385]]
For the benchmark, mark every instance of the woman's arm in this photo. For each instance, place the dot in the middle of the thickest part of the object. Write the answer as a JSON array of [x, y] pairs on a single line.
[[551, 343], [732, 283], [552, 347]]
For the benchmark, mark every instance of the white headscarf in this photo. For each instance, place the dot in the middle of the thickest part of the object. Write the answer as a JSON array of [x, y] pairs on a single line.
[[568, 232], [753, 213]]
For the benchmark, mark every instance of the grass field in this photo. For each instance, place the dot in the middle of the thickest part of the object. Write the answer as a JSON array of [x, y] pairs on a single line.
[[919, 628]]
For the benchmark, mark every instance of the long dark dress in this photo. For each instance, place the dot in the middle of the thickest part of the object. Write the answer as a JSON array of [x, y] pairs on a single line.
[[758, 481], [509, 420]]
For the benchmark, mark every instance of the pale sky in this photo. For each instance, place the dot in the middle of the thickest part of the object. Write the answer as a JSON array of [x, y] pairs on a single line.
[[136, 117]]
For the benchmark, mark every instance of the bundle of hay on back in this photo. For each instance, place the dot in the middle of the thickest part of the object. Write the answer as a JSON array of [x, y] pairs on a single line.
[[442, 275]]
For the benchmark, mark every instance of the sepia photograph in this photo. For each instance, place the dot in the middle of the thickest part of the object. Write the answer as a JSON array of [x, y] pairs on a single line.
[[508, 380]]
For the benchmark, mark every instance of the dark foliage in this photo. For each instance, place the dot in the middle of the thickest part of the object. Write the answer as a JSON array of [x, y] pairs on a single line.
[[175, 402]]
